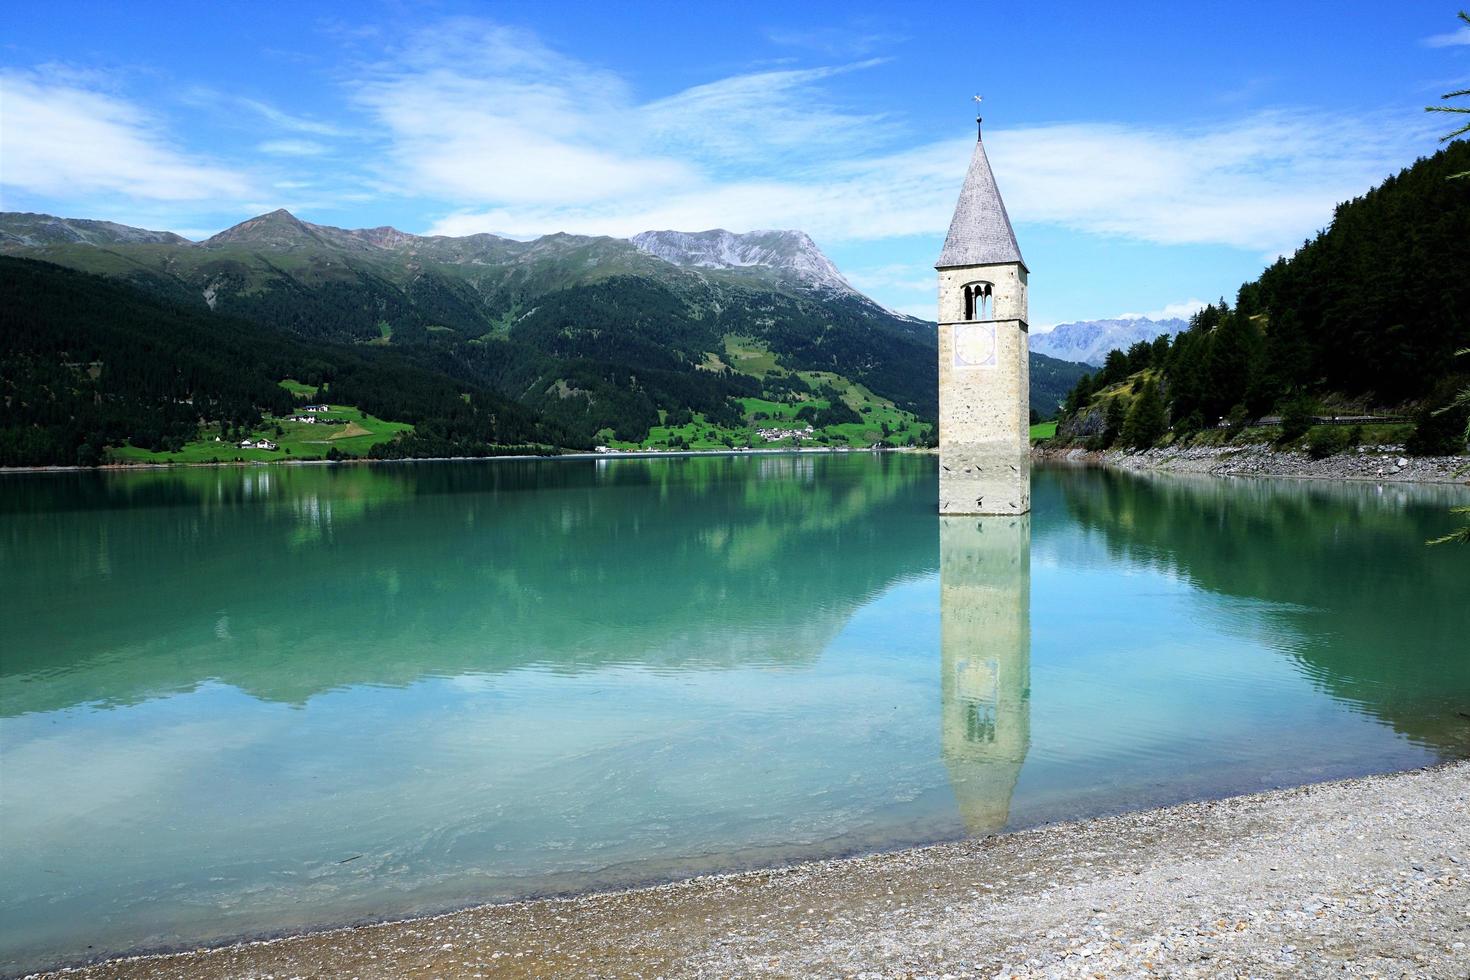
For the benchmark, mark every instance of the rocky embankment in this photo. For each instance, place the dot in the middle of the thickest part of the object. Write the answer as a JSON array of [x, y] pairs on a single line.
[[1372, 463], [1363, 878]]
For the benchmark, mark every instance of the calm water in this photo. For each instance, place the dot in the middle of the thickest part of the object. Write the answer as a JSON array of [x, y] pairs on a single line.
[[240, 701]]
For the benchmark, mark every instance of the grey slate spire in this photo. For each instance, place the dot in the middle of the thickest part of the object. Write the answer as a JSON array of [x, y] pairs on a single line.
[[980, 233]]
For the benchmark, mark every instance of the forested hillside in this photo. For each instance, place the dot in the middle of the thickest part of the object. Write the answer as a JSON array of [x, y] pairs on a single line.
[[87, 364], [605, 340], [546, 310], [1365, 318], [92, 369]]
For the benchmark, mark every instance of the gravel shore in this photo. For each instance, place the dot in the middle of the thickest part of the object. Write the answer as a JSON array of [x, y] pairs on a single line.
[[1366, 877], [1386, 465]]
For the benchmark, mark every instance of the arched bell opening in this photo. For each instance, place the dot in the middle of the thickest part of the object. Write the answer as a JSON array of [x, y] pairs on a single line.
[[979, 299]]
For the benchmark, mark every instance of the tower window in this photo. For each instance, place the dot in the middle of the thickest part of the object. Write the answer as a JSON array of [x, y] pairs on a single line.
[[978, 300]]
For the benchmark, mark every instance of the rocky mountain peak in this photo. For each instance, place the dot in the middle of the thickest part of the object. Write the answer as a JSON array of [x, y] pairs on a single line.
[[783, 254], [1089, 341], [278, 227]]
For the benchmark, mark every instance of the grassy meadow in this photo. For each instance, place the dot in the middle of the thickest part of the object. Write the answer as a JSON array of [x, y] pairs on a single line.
[[352, 433]]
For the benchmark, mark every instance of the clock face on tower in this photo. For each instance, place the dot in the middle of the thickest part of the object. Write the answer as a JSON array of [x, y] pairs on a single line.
[[974, 345]]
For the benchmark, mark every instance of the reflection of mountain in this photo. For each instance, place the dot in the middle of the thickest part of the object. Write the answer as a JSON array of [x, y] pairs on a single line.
[[290, 581], [985, 654], [1373, 616]]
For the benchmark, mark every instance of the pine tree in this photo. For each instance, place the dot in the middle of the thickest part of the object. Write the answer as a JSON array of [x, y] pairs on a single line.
[[1462, 93], [1113, 420], [1146, 421], [1233, 352], [1115, 369], [1079, 396]]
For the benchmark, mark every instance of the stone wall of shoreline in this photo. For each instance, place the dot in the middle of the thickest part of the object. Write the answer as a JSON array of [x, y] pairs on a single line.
[[1387, 463]]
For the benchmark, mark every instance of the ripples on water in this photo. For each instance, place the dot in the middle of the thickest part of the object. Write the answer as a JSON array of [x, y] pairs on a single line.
[[238, 701]]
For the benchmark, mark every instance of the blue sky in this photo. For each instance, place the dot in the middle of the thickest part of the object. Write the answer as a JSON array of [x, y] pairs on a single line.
[[1151, 154]]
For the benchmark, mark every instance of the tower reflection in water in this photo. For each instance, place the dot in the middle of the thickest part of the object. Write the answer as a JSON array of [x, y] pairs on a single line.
[[985, 655]]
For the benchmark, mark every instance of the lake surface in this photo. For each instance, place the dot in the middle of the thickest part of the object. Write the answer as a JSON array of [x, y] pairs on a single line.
[[239, 701]]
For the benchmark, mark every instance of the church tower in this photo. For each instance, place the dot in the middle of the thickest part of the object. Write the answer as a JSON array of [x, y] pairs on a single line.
[[984, 372]]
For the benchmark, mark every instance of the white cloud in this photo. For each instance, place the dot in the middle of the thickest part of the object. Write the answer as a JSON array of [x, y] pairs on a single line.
[[292, 148], [837, 42], [518, 139], [1263, 182], [510, 136], [1170, 311], [287, 121], [772, 117], [1183, 310], [478, 112], [898, 277], [1452, 39], [57, 138]]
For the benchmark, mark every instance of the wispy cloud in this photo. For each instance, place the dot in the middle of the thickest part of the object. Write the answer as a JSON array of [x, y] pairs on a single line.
[[1262, 182], [292, 148], [480, 112], [1452, 39], [243, 111], [896, 277], [1170, 311], [58, 138], [287, 121], [777, 118], [836, 42], [497, 131], [519, 139]]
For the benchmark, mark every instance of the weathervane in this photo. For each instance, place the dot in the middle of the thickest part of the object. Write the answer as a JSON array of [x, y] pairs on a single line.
[[978, 100]]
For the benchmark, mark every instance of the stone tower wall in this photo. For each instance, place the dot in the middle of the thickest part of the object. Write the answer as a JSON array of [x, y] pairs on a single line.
[[984, 395]]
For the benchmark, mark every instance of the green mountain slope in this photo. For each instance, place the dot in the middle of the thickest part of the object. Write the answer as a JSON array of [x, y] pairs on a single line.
[[598, 334], [87, 363]]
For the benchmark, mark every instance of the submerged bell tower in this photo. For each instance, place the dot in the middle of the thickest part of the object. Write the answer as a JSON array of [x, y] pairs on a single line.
[[984, 371]]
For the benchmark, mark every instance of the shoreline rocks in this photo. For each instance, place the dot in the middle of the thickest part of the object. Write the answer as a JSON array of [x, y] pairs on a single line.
[[1366, 463]]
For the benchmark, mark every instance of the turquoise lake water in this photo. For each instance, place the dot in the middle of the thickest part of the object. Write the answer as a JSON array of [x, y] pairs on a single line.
[[235, 702]]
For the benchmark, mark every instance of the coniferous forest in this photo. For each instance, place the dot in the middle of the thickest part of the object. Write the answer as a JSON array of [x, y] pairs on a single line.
[[1366, 317], [88, 363]]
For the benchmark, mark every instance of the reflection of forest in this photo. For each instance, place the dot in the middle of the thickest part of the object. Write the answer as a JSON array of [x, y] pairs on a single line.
[[1370, 614], [289, 581], [985, 656]]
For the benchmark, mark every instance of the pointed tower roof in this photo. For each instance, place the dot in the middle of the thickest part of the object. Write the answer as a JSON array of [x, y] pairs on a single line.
[[980, 232]]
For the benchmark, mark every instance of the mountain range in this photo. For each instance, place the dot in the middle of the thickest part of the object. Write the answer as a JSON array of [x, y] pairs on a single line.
[[594, 335], [1089, 341]]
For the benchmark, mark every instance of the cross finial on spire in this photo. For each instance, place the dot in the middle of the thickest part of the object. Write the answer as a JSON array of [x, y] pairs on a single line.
[[978, 99]]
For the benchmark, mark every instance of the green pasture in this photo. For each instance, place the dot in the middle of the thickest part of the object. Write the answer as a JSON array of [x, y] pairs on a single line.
[[354, 435]]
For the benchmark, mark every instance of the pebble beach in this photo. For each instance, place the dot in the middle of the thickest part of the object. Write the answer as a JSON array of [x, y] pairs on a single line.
[[1367, 877]]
